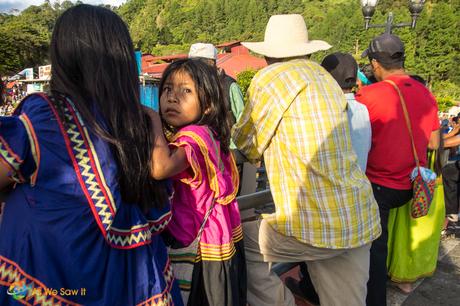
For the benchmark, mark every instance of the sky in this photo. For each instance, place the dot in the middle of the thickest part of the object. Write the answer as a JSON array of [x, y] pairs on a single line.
[[7, 5]]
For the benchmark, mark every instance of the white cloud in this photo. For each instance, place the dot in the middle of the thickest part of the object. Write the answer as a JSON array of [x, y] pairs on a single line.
[[7, 5]]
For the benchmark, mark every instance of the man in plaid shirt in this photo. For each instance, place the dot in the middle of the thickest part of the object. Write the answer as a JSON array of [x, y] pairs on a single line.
[[325, 215]]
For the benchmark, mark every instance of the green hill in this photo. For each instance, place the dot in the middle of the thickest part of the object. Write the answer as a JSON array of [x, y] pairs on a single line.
[[170, 26]]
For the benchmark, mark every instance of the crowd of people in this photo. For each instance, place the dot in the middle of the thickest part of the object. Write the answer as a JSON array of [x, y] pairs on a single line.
[[129, 206], [9, 99]]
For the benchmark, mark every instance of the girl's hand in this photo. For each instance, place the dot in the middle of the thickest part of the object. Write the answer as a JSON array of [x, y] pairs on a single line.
[[153, 115], [149, 111], [165, 161]]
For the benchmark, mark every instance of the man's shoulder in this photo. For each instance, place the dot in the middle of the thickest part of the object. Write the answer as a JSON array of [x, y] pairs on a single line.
[[373, 93], [355, 107], [227, 78], [270, 70], [420, 88], [284, 67], [298, 71], [372, 89], [355, 104]]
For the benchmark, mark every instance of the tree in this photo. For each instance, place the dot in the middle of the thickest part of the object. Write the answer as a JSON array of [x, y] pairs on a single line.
[[170, 26], [244, 79], [24, 39]]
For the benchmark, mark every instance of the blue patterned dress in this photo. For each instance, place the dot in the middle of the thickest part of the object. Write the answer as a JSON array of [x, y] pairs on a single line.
[[67, 238]]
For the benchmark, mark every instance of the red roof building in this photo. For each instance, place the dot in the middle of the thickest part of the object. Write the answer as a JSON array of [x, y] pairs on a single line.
[[155, 70], [233, 58], [234, 63]]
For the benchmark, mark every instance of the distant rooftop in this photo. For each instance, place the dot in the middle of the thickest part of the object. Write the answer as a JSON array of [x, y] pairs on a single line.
[[233, 58]]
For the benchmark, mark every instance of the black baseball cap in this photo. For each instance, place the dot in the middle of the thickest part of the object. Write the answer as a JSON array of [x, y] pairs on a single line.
[[386, 48], [342, 67]]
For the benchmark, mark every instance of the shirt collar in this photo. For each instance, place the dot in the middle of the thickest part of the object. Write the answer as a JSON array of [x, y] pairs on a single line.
[[350, 96]]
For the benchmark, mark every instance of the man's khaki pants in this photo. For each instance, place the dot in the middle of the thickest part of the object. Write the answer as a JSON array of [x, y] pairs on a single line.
[[339, 276]]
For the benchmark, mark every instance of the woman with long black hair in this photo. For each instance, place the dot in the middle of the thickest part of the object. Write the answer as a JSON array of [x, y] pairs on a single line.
[[81, 224]]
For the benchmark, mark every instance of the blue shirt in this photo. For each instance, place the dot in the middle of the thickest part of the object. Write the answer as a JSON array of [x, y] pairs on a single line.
[[360, 128]]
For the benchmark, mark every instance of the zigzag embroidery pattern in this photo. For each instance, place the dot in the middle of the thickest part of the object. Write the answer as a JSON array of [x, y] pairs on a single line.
[[164, 298], [159, 224], [105, 210], [13, 161], [141, 236], [10, 273], [138, 235], [81, 155]]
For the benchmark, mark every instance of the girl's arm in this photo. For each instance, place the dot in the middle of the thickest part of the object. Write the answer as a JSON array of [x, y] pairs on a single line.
[[166, 162]]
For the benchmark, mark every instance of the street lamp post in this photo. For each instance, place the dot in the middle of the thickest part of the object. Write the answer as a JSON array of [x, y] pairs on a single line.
[[368, 8]]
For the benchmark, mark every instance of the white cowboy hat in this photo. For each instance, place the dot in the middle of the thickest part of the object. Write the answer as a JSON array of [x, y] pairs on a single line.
[[286, 36]]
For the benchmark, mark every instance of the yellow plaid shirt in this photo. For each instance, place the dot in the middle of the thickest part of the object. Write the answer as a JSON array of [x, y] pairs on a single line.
[[296, 118]]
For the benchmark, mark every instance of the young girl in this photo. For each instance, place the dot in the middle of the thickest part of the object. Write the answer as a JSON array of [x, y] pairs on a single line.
[[204, 174]]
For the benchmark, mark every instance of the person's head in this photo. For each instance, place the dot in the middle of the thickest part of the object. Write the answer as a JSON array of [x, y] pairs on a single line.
[[365, 72], [191, 93], [386, 55], [93, 63], [343, 68], [286, 37], [203, 51]]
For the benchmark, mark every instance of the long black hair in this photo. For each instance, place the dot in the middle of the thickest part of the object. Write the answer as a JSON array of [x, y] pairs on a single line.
[[210, 94], [93, 63]]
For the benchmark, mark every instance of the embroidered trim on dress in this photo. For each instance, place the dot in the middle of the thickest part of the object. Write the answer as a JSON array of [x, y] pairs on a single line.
[[164, 298], [197, 178], [91, 178], [11, 273], [33, 146], [211, 170], [215, 252], [11, 160]]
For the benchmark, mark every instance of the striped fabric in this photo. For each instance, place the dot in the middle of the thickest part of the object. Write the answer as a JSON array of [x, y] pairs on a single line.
[[296, 117]]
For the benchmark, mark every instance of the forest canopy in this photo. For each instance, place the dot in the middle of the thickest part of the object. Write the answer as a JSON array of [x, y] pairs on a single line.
[[169, 26]]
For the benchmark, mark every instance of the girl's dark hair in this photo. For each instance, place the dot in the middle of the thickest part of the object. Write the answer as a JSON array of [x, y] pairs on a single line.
[[213, 102], [93, 63]]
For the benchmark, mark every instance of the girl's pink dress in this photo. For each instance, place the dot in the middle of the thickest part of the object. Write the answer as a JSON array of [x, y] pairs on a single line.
[[219, 276]]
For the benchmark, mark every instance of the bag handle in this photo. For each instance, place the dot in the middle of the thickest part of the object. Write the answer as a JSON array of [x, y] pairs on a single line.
[[208, 213], [406, 116]]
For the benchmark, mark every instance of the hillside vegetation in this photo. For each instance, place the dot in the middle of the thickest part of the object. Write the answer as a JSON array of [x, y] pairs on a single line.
[[170, 26]]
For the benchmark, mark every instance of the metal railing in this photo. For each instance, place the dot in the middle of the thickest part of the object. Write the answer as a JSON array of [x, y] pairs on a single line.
[[262, 202], [255, 200]]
